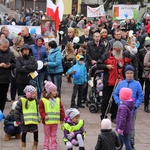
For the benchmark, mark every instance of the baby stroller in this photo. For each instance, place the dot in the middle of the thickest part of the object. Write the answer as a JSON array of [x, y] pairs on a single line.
[[96, 92]]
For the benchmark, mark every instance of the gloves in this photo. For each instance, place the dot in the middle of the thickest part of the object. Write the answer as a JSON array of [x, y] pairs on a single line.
[[15, 124], [70, 135], [74, 142], [120, 132]]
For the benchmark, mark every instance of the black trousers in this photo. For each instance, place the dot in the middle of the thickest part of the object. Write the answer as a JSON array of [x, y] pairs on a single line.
[[3, 95], [35, 136], [13, 89], [107, 91], [147, 92], [20, 88], [77, 88]]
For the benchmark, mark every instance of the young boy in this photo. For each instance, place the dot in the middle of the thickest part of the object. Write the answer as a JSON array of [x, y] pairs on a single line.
[[79, 73]]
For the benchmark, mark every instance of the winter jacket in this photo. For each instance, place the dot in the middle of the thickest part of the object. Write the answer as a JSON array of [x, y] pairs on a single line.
[[54, 65], [137, 96], [148, 28], [43, 113], [83, 73], [18, 115], [24, 66], [93, 52], [9, 121], [124, 116], [29, 40], [5, 73], [107, 140], [39, 52], [111, 76]]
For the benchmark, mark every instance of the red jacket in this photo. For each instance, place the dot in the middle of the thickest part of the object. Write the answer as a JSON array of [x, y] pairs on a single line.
[[148, 28], [43, 113]]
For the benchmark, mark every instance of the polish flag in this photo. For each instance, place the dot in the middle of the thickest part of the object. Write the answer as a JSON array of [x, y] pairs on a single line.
[[56, 12]]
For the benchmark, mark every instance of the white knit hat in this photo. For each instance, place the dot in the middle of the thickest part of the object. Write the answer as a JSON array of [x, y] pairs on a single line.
[[14, 105], [72, 112], [106, 124]]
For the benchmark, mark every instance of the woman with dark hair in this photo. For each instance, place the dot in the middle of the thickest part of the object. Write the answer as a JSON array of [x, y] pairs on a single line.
[[54, 65]]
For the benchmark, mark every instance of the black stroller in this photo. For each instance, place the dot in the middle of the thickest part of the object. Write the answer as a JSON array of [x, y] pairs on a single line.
[[96, 91]]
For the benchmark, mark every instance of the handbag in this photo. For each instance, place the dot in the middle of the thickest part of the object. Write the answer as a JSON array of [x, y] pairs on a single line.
[[146, 73]]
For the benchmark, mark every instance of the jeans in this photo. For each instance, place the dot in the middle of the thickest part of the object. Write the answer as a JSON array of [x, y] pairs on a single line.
[[41, 76], [12, 130], [57, 80], [125, 139], [50, 132], [132, 134]]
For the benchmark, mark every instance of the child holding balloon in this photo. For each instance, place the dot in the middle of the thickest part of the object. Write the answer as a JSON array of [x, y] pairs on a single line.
[[79, 73]]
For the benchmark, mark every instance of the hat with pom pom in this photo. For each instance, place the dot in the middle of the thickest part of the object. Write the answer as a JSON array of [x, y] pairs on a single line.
[[125, 94], [49, 86], [106, 124], [72, 112]]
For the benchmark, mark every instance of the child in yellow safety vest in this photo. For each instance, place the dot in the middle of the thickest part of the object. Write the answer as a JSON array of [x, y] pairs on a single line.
[[26, 112], [73, 129], [52, 113]]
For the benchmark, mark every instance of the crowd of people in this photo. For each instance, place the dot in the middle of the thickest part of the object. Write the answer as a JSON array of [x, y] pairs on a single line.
[[120, 49]]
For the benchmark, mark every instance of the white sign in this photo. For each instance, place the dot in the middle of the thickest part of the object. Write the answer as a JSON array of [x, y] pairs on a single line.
[[125, 12], [95, 12]]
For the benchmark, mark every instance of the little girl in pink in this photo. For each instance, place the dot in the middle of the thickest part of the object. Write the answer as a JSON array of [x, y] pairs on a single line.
[[52, 113]]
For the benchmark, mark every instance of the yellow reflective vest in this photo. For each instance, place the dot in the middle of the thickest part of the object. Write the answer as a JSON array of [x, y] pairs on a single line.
[[53, 113], [69, 128], [30, 115]]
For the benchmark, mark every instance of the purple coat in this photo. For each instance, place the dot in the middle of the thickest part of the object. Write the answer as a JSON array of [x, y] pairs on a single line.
[[124, 117]]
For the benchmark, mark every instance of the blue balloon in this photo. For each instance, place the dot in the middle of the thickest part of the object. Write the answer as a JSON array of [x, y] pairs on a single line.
[[33, 31], [126, 15], [1, 115], [77, 73]]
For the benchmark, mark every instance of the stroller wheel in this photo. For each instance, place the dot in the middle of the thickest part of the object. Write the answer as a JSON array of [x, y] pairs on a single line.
[[93, 108]]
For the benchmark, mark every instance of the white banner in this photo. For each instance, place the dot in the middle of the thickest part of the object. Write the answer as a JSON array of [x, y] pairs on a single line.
[[125, 12], [95, 12]]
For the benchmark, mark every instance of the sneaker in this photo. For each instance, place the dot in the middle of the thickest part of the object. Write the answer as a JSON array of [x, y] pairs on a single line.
[[75, 106], [8, 100], [146, 109], [81, 106]]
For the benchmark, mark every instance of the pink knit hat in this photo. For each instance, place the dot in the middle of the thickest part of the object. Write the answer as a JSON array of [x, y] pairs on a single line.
[[125, 94], [49, 86]]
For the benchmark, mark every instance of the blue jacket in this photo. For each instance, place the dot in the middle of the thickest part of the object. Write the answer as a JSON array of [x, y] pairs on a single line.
[[124, 117], [138, 95], [83, 73], [54, 65], [39, 52]]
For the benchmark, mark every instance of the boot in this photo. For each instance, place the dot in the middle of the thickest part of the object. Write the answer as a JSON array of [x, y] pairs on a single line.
[[18, 136], [7, 137], [35, 145], [23, 146], [81, 148]]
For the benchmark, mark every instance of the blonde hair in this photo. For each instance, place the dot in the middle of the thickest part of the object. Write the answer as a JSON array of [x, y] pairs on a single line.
[[70, 29], [18, 39], [103, 30]]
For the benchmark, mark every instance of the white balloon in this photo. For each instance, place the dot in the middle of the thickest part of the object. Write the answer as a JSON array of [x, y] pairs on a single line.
[[40, 65], [13, 23]]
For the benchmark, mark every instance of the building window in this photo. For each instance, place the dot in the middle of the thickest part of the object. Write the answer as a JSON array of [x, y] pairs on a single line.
[[74, 7]]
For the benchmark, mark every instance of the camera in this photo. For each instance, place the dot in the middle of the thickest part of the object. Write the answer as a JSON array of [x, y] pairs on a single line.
[[119, 65]]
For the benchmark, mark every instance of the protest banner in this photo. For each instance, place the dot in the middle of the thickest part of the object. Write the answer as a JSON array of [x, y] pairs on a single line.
[[125, 12], [95, 12]]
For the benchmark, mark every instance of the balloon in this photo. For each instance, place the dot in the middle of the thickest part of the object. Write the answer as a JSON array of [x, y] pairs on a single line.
[[33, 31], [40, 64], [126, 15], [1, 115], [77, 73]]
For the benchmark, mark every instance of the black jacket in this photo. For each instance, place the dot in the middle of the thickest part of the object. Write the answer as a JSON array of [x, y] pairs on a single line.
[[83, 39], [5, 73], [93, 52], [24, 66], [29, 40], [107, 140]]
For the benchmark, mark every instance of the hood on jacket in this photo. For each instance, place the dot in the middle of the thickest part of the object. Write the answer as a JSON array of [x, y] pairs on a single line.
[[25, 46], [39, 36], [129, 104]]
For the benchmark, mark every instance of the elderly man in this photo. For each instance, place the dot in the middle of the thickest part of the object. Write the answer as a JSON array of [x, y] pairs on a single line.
[[6, 32], [27, 37], [7, 62], [113, 62], [138, 95], [85, 37]]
